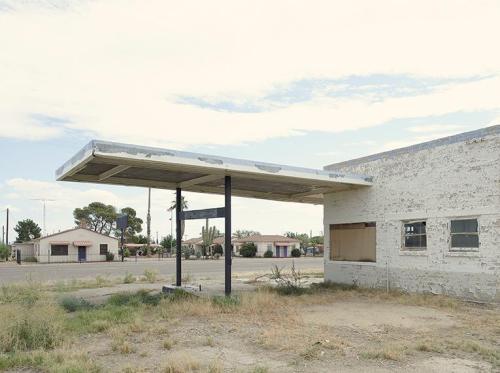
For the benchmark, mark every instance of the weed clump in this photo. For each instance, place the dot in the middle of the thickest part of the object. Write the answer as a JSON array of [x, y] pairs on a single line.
[[30, 329]]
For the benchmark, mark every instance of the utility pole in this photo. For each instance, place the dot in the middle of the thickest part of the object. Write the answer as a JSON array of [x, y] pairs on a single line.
[[7, 229], [3, 233], [44, 201]]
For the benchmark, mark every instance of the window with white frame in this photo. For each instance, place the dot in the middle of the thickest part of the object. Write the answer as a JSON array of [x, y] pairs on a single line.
[[464, 235], [415, 235]]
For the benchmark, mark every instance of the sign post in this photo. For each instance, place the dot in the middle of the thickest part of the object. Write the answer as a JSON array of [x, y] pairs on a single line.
[[122, 224]]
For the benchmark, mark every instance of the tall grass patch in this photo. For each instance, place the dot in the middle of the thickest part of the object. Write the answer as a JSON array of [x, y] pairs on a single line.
[[31, 328]]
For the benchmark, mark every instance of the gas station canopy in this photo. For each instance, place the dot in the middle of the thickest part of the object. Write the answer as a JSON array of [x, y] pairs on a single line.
[[121, 164]]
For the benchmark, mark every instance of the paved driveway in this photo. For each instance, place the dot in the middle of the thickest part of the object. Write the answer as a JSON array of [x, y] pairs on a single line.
[[11, 272]]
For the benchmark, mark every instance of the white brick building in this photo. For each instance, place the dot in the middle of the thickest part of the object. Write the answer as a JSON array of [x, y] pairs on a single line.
[[73, 245], [430, 222]]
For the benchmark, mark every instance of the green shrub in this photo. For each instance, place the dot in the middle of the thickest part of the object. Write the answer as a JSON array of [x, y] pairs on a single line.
[[296, 253], [218, 249], [134, 299], [268, 254], [248, 250], [149, 275], [30, 259], [73, 304], [5, 251], [129, 278], [110, 256]]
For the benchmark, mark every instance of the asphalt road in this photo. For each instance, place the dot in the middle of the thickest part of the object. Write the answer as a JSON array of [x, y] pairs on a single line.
[[12, 273]]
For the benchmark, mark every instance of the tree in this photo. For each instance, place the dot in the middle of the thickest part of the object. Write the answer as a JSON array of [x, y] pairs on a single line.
[[302, 237], [184, 204], [5, 251], [317, 240], [134, 224], [97, 216], [168, 242], [27, 230], [242, 233]]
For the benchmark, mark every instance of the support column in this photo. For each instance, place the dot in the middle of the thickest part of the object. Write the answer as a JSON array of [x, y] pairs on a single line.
[[178, 238], [227, 235]]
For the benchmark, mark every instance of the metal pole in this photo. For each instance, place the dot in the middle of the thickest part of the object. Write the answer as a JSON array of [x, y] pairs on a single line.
[[178, 243], [123, 249], [3, 233], [148, 218], [227, 235], [7, 229]]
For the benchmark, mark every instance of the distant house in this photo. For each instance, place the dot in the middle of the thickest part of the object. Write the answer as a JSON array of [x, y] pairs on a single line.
[[196, 244], [72, 245], [281, 246], [139, 248]]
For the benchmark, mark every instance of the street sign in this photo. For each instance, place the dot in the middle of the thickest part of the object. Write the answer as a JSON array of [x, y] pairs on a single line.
[[122, 222], [218, 212]]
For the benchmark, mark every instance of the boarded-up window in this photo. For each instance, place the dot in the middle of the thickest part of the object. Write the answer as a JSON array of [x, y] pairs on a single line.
[[353, 242], [415, 235], [464, 234], [58, 250]]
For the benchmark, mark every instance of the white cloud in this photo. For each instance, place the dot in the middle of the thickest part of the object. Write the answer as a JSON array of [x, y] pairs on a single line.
[[115, 69]]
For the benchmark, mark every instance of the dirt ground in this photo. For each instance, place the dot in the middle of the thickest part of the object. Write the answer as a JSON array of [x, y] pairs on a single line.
[[331, 329], [345, 332]]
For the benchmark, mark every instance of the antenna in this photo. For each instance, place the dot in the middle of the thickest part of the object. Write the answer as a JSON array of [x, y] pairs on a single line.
[[44, 200]]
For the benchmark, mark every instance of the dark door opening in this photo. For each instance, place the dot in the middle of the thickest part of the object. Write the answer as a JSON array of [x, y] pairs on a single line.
[[82, 253]]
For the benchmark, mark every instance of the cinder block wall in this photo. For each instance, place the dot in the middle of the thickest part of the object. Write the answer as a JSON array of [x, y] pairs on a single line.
[[449, 178]]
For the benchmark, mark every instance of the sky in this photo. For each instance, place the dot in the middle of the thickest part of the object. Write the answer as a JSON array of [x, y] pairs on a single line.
[[305, 83]]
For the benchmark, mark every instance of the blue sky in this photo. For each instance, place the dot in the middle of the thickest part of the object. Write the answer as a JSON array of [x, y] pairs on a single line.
[[304, 88]]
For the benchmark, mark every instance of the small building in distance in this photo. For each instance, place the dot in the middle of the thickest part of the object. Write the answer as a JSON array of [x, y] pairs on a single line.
[[72, 245], [280, 246]]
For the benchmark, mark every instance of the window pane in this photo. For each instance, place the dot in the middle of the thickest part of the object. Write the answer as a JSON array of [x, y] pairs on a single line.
[[59, 249], [416, 241], [464, 226], [415, 228], [464, 240], [103, 249]]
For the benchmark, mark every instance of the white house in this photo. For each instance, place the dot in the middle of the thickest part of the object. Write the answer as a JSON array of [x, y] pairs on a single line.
[[429, 223], [72, 245], [280, 246]]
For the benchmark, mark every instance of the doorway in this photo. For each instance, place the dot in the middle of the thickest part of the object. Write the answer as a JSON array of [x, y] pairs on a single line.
[[82, 253]]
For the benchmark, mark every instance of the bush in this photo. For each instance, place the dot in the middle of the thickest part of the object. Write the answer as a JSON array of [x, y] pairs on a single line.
[[218, 250], [296, 253], [73, 304], [110, 256], [248, 250], [268, 254], [30, 259], [129, 278], [5, 251], [149, 275]]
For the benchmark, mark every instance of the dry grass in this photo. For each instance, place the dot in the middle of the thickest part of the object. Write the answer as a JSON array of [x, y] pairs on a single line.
[[263, 322], [181, 362], [393, 352]]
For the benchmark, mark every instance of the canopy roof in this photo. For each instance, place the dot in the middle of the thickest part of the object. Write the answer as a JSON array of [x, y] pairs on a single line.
[[121, 164]]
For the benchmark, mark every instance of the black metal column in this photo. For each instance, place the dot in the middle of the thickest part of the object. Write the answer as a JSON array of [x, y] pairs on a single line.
[[178, 238], [228, 250]]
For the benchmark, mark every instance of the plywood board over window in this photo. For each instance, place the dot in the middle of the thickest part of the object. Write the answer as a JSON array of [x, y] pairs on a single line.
[[353, 242]]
